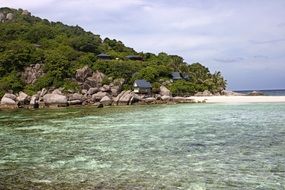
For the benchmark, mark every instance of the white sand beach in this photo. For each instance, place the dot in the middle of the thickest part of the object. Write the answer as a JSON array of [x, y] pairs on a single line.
[[240, 99]]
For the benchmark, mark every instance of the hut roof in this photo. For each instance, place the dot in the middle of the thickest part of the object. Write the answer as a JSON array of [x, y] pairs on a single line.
[[142, 84], [103, 55], [176, 75]]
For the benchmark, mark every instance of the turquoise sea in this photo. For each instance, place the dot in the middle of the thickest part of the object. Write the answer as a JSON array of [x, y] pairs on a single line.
[[186, 146]]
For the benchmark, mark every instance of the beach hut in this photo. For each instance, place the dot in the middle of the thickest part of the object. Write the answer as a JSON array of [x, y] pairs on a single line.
[[135, 57], [142, 87], [176, 76], [104, 56]]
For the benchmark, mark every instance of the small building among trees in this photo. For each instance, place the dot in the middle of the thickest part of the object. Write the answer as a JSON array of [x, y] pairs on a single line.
[[176, 76], [142, 87], [104, 56]]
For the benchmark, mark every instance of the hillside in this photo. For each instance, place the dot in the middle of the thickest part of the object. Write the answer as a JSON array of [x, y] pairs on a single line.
[[60, 50]]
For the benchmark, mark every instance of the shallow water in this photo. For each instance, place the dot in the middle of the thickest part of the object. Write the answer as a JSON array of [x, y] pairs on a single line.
[[189, 146]]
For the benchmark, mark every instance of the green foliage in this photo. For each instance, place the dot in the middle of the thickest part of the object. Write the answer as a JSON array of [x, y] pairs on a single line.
[[70, 85], [181, 87], [156, 87], [11, 82]]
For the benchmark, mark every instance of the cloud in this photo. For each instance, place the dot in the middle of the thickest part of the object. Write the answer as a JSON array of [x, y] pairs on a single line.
[[274, 41], [229, 60]]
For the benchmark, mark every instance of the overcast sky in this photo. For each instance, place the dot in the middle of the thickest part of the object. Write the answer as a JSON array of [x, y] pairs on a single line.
[[244, 39]]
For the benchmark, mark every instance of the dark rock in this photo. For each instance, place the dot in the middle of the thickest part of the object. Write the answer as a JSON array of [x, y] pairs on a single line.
[[10, 16]]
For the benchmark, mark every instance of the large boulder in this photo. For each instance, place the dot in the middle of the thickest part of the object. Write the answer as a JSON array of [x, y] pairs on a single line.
[[164, 91], [115, 90], [94, 81], [26, 13], [98, 96], [32, 73], [92, 91], [35, 101], [76, 96], [10, 16], [2, 17], [106, 101], [10, 96], [55, 99], [23, 98], [105, 88], [126, 98], [98, 76], [83, 73], [8, 101]]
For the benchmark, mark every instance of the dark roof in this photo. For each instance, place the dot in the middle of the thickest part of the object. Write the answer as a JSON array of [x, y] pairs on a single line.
[[142, 84], [176, 75], [103, 55]]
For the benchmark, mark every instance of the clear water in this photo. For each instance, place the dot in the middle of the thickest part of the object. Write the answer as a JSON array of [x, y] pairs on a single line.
[[190, 146]]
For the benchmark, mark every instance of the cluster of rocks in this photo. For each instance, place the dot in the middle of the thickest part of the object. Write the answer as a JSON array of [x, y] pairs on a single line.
[[8, 16], [97, 96]]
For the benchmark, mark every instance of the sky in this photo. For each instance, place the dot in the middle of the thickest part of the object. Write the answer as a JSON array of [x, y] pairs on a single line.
[[243, 39]]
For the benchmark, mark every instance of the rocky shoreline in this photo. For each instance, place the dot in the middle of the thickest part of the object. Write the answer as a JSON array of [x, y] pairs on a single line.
[[99, 99], [93, 91]]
